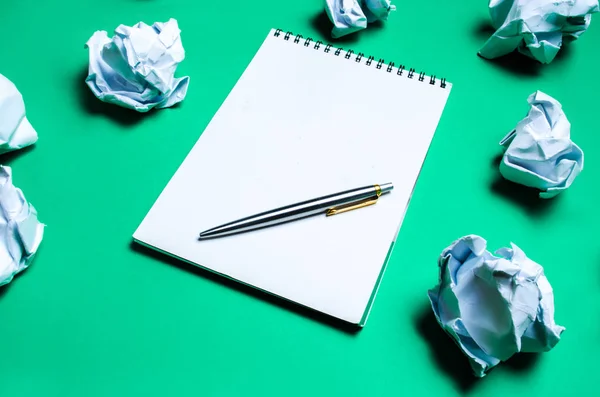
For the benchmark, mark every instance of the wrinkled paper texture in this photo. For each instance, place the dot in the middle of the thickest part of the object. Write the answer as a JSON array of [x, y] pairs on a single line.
[[493, 306], [349, 16], [15, 130], [536, 28], [20, 231], [540, 153], [135, 69]]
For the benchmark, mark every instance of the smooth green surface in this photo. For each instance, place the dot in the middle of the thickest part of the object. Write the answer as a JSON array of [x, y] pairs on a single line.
[[95, 317]]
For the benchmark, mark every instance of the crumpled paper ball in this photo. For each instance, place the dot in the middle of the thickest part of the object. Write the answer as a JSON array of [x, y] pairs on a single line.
[[540, 152], [15, 130], [349, 16], [20, 231], [493, 306], [135, 69], [536, 28]]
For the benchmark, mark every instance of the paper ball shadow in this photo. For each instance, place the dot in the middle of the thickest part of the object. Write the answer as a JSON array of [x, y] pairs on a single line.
[[449, 358], [524, 196], [521, 362], [9, 157], [484, 29], [6, 287], [452, 361], [94, 106], [515, 62], [321, 23], [311, 314]]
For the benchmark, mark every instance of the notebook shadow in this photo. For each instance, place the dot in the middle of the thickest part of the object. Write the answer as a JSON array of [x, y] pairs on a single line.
[[94, 106], [448, 356], [341, 325], [524, 196]]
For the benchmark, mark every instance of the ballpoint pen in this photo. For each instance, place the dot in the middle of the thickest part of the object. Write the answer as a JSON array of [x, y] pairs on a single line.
[[329, 205]]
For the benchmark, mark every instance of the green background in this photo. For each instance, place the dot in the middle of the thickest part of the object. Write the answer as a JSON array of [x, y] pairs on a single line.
[[95, 315]]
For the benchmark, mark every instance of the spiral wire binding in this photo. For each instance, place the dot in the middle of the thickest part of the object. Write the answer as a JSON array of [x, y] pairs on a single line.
[[358, 58]]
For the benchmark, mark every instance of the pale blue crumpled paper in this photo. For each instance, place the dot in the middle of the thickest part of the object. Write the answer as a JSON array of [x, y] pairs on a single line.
[[15, 130], [135, 69], [349, 16], [540, 152], [493, 306], [536, 28], [20, 231]]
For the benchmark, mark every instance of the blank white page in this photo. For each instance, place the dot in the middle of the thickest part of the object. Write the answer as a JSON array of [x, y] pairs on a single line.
[[301, 123]]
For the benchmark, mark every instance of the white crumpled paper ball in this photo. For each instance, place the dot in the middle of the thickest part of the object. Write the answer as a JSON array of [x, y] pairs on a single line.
[[15, 130], [536, 28], [540, 152], [493, 306], [135, 69], [349, 16], [20, 231]]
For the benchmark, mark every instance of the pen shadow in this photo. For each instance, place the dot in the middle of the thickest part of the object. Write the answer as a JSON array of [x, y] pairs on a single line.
[[526, 197], [448, 356], [311, 314], [94, 106]]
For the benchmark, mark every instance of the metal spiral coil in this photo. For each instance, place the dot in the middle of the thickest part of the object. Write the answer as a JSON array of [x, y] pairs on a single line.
[[358, 58]]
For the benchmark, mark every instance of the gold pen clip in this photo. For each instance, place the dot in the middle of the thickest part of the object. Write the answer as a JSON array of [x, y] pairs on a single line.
[[340, 209]]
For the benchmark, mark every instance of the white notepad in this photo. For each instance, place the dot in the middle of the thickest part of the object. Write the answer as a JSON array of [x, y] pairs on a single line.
[[304, 120]]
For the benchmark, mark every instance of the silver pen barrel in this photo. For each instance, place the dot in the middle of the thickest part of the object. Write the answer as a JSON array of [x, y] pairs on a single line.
[[330, 205]]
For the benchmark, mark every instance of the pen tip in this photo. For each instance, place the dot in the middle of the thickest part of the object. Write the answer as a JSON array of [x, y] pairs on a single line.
[[386, 187]]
